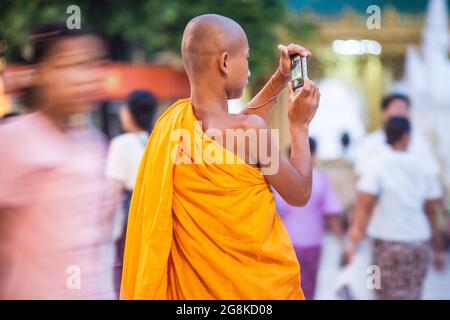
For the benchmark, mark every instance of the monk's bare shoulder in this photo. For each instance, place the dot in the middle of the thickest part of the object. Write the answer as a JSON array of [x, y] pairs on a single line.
[[255, 123], [251, 121], [247, 123]]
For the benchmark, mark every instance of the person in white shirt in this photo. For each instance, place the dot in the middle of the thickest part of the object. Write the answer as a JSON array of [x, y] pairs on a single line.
[[405, 221], [124, 157], [394, 105]]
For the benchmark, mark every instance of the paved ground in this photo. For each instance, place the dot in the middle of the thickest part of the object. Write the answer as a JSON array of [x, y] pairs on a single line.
[[437, 284]]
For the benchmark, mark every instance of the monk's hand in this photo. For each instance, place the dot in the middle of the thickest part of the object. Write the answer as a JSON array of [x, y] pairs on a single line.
[[285, 60], [303, 104]]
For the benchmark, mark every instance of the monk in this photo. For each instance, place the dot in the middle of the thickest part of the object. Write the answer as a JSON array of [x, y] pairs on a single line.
[[209, 229]]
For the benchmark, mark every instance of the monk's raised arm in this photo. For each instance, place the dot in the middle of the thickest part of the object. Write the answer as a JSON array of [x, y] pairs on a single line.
[[291, 178]]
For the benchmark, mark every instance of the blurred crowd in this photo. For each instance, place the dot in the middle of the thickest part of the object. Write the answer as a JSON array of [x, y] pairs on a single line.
[[65, 191], [398, 204]]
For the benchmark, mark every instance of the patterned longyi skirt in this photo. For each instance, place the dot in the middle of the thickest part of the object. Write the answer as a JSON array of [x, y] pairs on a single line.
[[403, 268]]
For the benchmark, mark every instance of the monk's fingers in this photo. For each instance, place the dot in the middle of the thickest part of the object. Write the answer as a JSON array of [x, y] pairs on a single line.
[[283, 50], [295, 48], [313, 87], [294, 95], [306, 89], [291, 92], [316, 96]]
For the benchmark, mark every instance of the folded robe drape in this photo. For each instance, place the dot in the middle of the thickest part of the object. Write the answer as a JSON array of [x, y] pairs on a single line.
[[203, 230]]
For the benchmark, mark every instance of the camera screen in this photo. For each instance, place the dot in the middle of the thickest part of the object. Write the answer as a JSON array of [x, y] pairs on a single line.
[[297, 71]]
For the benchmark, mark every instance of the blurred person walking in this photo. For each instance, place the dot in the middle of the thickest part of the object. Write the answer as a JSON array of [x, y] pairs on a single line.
[[398, 105], [406, 193], [394, 105], [55, 204], [124, 157], [306, 225]]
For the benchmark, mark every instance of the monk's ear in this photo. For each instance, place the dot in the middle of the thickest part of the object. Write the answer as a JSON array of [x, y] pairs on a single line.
[[224, 63]]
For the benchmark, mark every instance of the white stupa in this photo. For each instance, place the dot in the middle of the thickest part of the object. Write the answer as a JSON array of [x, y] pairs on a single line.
[[427, 80], [340, 112]]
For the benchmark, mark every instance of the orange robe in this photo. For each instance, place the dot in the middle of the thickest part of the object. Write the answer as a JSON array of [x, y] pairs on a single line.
[[203, 230]]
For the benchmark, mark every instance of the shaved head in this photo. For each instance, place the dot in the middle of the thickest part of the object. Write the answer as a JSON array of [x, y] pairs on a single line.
[[207, 36]]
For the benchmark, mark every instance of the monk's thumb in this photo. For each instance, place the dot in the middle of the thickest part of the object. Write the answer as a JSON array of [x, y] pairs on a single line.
[[291, 92]]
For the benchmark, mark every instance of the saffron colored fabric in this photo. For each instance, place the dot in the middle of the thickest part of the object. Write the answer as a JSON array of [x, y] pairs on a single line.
[[203, 230]]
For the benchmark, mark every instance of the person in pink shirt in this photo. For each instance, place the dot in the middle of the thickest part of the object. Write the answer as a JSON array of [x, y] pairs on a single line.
[[55, 204], [307, 225]]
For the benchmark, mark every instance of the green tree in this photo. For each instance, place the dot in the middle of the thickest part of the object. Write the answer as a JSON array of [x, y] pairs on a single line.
[[154, 26]]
